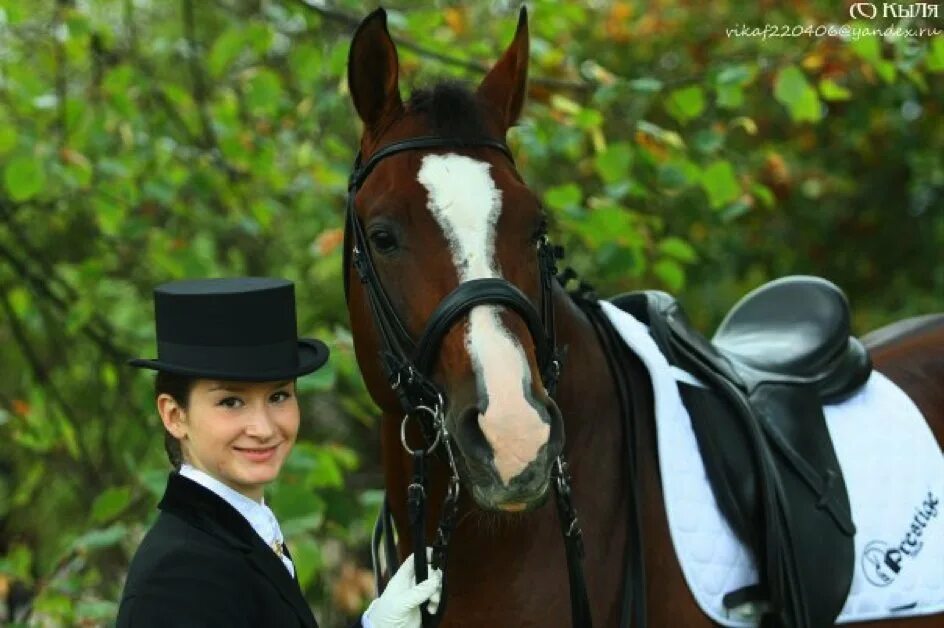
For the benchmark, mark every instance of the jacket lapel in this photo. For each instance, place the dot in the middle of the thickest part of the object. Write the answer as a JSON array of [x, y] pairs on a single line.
[[206, 510]]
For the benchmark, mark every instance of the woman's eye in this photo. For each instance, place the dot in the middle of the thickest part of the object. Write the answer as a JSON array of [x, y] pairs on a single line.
[[383, 241], [280, 396], [230, 402]]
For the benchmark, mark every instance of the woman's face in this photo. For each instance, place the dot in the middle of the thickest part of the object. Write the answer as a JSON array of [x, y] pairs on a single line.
[[238, 432]]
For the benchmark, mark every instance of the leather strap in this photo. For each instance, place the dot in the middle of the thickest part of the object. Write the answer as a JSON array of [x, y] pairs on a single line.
[[468, 295], [632, 408]]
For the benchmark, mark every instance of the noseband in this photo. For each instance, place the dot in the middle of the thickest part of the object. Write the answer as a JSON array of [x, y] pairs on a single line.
[[408, 365]]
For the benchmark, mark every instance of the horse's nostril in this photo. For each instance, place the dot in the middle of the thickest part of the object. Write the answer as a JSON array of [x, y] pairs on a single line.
[[471, 439]]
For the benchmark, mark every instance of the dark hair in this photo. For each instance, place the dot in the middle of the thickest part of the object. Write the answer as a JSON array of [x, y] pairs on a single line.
[[178, 387], [450, 108]]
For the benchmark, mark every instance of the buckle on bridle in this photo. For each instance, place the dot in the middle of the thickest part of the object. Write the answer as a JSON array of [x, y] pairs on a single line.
[[435, 414], [410, 378]]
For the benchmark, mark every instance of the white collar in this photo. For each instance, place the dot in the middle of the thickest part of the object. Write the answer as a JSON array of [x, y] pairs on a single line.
[[259, 516]]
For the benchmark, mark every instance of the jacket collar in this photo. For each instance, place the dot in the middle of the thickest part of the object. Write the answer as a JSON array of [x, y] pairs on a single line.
[[204, 509]]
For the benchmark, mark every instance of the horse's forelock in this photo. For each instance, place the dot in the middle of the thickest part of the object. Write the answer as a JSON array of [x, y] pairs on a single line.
[[451, 109]]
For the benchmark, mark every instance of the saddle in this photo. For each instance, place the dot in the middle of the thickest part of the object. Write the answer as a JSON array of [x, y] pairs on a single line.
[[781, 353]]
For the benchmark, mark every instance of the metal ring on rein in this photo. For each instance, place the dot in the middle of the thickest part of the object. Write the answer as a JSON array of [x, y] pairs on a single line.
[[434, 414]]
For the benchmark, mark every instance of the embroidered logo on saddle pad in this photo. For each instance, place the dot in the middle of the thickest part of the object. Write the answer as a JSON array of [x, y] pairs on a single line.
[[881, 563]]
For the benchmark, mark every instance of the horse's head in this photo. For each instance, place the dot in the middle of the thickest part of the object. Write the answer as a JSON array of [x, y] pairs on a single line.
[[435, 218]]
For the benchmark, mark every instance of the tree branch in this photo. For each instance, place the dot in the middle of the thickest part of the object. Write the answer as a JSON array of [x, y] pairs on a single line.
[[43, 378], [197, 80], [200, 92], [41, 286], [472, 66]]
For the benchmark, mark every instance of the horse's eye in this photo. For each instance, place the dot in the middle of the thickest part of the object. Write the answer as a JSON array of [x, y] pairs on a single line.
[[383, 241]]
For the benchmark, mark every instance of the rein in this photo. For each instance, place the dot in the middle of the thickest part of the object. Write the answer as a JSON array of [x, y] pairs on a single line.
[[408, 364]]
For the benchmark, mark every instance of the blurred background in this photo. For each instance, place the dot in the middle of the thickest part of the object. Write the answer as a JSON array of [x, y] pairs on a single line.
[[148, 140]]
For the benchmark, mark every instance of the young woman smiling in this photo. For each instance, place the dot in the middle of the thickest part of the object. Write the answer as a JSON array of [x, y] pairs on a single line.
[[228, 356]]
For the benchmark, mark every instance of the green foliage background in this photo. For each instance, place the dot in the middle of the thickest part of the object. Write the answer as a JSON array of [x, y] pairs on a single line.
[[148, 140]]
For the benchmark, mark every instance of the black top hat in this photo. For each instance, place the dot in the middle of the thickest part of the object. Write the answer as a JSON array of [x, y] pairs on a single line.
[[240, 329]]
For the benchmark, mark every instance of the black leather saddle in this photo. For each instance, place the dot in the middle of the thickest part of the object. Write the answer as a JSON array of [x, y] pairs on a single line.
[[781, 353]]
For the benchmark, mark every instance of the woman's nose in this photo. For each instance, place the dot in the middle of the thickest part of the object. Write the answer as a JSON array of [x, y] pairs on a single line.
[[261, 424]]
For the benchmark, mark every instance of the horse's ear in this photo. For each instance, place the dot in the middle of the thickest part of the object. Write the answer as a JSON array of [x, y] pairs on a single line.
[[373, 70], [505, 85]]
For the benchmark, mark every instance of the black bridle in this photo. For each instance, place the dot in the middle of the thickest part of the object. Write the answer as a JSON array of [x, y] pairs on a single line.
[[408, 364]]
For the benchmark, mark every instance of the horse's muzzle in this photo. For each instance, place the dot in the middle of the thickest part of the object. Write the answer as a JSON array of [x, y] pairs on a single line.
[[528, 489]]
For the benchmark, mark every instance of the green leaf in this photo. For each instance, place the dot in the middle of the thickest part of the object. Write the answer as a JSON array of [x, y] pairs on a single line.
[[292, 501], [24, 177], [613, 164], [795, 92], [588, 119], [303, 524], [109, 214], [671, 138], [764, 194], [154, 481], [886, 70], [307, 61], [105, 537], [678, 173], [564, 196], [935, 58], [686, 103], [259, 35], [7, 137], [97, 611], [678, 249], [720, 184], [671, 273], [306, 555], [708, 141], [734, 210], [646, 85], [736, 75], [17, 562], [833, 91], [110, 503], [225, 50], [868, 48], [730, 96], [264, 92]]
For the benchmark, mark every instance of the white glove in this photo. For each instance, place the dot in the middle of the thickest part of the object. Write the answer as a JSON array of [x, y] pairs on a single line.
[[399, 605]]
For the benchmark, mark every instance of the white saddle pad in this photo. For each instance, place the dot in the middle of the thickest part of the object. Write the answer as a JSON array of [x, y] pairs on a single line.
[[894, 472]]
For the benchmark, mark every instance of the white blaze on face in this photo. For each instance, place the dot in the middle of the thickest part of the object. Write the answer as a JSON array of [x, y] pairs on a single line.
[[466, 203]]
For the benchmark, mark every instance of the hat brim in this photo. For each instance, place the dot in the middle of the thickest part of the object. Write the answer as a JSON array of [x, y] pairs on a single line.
[[312, 355]]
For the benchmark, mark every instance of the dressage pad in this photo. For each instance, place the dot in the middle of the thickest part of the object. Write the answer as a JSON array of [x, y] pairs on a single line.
[[894, 472]]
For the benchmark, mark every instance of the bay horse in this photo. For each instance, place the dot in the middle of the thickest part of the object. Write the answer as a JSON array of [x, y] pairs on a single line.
[[432, 220]]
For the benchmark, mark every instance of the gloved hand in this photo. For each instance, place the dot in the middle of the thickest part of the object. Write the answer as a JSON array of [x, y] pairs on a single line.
[[399, 605]]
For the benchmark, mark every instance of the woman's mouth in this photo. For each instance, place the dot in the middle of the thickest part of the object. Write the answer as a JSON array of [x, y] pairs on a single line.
[[257, 454]]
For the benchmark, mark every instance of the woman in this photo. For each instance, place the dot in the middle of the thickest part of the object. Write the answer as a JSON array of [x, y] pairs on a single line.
[[228, 356]]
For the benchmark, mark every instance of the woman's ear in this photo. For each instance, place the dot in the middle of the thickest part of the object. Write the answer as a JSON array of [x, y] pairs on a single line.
[[173, 416]]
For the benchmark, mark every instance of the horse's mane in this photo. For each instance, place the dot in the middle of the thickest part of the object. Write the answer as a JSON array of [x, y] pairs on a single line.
[[451, 109]]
